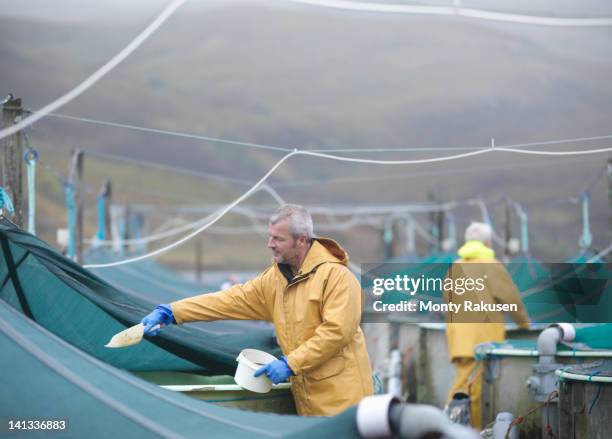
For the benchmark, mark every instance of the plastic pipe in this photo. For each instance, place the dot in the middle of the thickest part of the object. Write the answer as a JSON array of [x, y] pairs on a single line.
[[373, 416], [425, 421], [547, 340], [576, 377], [385, 416], [216, 387]]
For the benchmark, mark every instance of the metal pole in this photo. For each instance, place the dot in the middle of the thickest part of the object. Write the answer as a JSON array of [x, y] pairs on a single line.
[[126, 227], [398, 246], [12, 168], [76, 178], [435, 224], [507, 229], [440, 221], [198, 260], [609, 174], [107, 192], [104, 232]]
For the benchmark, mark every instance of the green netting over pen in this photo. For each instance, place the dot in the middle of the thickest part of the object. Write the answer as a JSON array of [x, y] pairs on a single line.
[[571, 292], [45, 378], [146, 277], [86, 311], [154, 282], [554, 292]]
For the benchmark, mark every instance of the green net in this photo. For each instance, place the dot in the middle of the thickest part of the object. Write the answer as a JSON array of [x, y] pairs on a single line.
[[45, 378], [86, 311], [553, 292]]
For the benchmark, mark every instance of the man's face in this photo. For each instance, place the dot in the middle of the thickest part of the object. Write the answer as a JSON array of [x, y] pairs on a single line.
[[285, 248]]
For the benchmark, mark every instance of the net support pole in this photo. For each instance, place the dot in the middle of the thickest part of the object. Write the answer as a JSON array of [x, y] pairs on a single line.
[[76, 179], [11, 175]]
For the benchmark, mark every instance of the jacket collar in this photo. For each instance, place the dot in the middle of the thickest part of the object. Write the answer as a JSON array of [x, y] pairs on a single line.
[[476, 250], [322, 250]]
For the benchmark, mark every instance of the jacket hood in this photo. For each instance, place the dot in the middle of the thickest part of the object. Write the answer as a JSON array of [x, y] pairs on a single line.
[[476, 250], [323, 250]]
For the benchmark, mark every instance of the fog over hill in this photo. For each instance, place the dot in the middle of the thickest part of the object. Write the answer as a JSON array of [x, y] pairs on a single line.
[[296, 76]]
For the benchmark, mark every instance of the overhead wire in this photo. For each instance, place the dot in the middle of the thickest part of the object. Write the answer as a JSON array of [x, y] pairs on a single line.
[[97, 75], [169, 10], [170, 132], [288, 149], [220, 213], [264, 215], [277, 198], [157, 236], [343, 180], [601, 254], [163, 167], [457, 10], [515, 145]]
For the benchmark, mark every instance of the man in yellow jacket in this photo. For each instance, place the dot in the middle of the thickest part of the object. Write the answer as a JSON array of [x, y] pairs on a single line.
[[314, 302], [467, 329]]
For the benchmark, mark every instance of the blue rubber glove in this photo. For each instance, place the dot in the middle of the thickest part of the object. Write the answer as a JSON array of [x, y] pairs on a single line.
[[161, 315], [277, 370]]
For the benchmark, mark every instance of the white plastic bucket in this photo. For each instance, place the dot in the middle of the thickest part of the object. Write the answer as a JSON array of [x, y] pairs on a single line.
[[249, 361]]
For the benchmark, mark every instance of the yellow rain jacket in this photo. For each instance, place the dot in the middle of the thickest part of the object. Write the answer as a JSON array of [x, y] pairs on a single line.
[[316, 317], [498, 288]]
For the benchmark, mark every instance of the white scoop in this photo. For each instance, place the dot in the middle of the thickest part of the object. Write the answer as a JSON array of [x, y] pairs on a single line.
[[128, 337]]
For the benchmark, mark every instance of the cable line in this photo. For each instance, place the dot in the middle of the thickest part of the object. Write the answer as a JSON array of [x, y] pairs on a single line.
[[167, 132], [221, 212], [458, 11], [97, 75]]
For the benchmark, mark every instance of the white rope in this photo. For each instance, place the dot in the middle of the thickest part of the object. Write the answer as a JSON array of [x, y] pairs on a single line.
[[169, 168], [601, 254], [157, 236], [98, 74], [527, 151], [167, 132], [348, 180], [458, 11], [219, 214], [327, 150], [467, 148], [323, 210], [425, 234], [394, 162], [360, 216], [216, 217], [259, 215], [266, 187]]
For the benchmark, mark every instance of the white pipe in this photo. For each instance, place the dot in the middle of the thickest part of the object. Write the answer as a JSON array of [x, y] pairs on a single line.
[[534, 353], [547, 342], [385, 416], [421, 421], [548, 339], [503, 421], [568, 331], [216, 387], [373, 419], [575, 377]]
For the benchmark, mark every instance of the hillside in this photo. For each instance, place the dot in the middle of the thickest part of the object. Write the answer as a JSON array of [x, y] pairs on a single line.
[[295, 76]]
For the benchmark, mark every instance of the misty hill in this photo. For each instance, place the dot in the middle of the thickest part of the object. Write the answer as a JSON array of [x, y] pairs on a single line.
[[294, 76]]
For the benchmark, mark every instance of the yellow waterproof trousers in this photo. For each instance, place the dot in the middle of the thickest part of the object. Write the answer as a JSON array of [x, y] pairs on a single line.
[[468, 379]]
